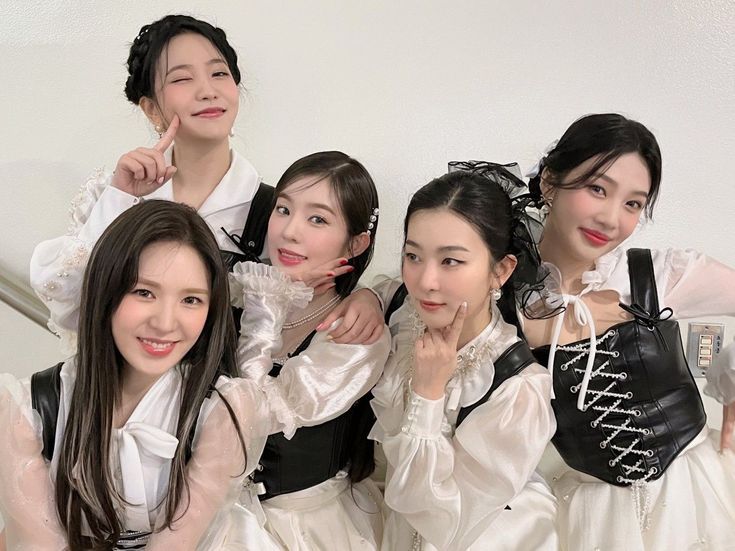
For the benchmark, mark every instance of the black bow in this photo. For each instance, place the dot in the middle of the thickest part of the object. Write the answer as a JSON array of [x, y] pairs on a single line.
[[649, 320]]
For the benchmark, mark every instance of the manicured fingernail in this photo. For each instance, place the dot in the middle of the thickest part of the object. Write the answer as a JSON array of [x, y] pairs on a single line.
[[320, 327], [343, 262], [350, 269], [330, 338], [330, 274], [160, 180]]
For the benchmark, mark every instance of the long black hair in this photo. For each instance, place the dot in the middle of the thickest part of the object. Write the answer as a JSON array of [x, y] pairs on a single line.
[[85, 491]]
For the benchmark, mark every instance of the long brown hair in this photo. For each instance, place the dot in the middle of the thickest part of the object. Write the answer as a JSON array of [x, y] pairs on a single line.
[[85, 492]]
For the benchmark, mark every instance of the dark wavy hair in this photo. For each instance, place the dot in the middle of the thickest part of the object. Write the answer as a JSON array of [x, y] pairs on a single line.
[[84, 482], [151, 41], [357, 197], [605, 137]]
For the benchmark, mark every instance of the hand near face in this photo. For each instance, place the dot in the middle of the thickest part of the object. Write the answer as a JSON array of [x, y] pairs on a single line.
[[435, 357], [321, 278], [362, 319], [143, 170]]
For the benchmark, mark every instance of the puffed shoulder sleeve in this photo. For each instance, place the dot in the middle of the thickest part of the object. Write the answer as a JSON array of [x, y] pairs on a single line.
[[217, 468], [324, 381], [26, 490], [57, 265], [451, 487], [695, 284], [266, 296]]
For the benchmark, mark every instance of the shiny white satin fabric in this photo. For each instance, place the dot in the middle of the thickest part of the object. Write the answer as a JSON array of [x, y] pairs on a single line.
[[318, 385], [453, 484]]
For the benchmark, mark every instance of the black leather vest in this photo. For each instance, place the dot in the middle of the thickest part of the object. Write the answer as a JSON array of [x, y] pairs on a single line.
[[314, 454], [643, 406]]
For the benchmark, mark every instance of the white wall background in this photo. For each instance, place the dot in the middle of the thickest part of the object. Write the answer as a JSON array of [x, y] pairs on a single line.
[[403, 86]]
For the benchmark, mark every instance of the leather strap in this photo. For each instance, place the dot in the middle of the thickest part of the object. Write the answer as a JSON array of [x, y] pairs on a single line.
[[515, 359], [45, 392]]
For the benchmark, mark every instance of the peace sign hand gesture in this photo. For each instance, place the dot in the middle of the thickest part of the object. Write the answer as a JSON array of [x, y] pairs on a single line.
[[435, 357], [143, 170]]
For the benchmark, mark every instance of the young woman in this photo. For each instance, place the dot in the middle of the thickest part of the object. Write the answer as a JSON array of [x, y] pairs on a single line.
[[463, 411], [183, 74], [145, 436], [641, 470], [312, 482]]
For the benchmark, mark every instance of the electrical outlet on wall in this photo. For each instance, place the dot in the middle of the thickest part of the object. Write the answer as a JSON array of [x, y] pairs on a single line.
[[704, 343]]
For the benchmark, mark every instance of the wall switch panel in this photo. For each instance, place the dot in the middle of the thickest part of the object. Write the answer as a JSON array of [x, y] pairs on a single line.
[[704, 343]]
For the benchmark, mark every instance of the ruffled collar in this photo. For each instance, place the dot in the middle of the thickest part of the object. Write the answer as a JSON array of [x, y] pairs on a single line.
[[475, 368]]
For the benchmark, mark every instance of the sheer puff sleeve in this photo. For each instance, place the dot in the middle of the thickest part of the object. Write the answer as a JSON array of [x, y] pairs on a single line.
[[319, 384], [698, 285], [217, 468], [26, 489], [57, 265], [450, 488]]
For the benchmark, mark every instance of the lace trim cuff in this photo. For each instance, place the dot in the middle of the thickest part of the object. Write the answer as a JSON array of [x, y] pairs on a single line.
[[262, 280]]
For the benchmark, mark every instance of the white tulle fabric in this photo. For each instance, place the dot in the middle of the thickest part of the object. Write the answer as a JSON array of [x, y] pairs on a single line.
[[57, 265], [693, 505], [141, 454], [316, 386], [452, 485]]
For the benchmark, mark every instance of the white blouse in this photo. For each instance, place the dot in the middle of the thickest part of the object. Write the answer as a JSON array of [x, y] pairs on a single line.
[[690, 283], [451, 483], [319, 384], [57, 265], [140, 454]]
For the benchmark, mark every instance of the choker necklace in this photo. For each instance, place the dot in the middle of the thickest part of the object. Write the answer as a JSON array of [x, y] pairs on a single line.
[[312, 316]]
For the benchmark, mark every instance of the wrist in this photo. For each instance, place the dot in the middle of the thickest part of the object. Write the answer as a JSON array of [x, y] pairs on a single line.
[[428, 391]]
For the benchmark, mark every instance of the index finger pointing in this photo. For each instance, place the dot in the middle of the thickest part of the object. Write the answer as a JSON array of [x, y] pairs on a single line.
[[455, 328], [168, 137]]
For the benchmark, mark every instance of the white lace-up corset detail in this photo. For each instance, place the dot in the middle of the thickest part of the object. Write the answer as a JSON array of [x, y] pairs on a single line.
[[607, 398]]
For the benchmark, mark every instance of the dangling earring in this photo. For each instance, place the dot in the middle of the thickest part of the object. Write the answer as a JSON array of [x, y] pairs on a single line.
[[158, 130], [495, 294], [232, 132]]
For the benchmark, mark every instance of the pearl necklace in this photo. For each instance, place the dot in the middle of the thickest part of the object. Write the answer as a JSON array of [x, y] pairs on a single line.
[[311, 316]]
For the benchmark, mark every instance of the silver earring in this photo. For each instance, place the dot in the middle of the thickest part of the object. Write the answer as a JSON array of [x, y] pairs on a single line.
[[232, 132], [495, 294]]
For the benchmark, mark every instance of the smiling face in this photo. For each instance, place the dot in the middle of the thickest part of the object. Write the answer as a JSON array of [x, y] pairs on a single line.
[[306, 228], [194, 82], [162, 316], [445, 263], [590, 221]]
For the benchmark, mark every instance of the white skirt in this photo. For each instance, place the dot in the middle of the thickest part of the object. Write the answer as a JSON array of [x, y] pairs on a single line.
[[334, 515], [691, 507], [529, 524]]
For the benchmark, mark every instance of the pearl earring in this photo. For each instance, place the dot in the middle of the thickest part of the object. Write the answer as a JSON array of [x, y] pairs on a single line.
[[495, 294]]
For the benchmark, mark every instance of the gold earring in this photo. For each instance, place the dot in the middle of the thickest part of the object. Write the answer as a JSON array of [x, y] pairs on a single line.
[[159, 130]]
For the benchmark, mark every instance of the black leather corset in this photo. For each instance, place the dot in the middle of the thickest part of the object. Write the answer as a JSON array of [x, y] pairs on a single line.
[[642, 406], [314, 454]]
